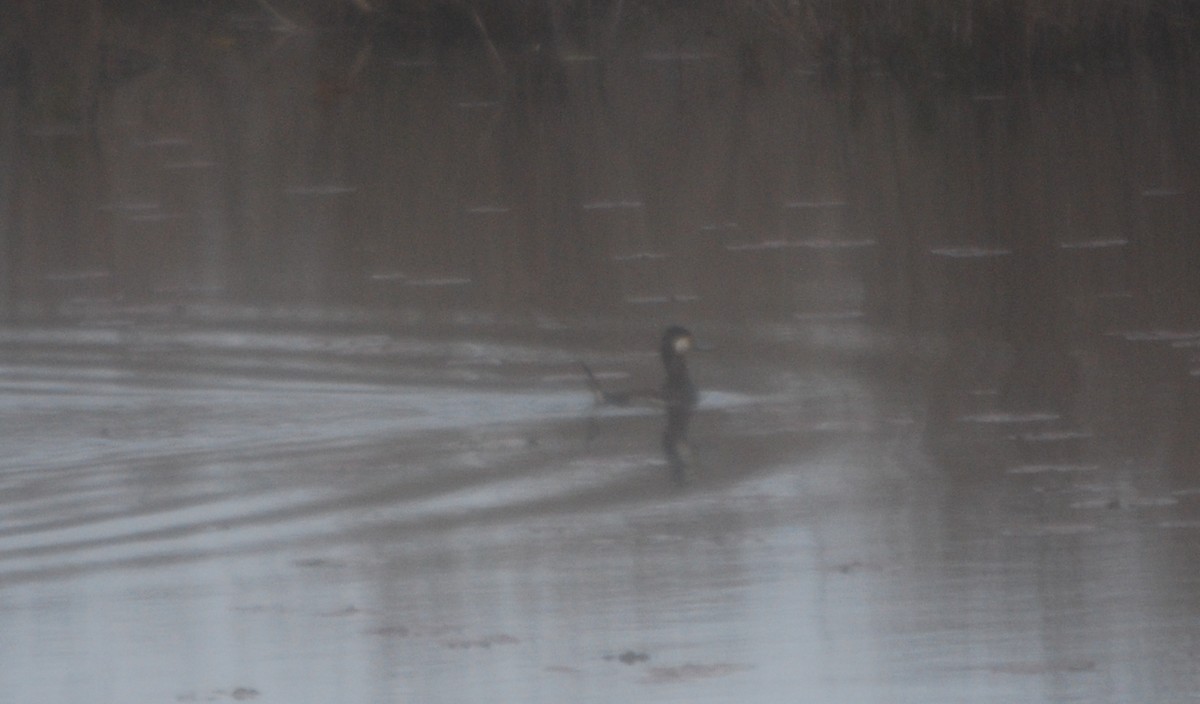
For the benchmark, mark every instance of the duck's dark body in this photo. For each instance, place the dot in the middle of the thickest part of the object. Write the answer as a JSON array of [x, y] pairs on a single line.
[[678, 394], [677, 390]]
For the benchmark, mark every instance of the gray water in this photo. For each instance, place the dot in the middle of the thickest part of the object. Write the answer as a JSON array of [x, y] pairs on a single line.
[[293, 410]]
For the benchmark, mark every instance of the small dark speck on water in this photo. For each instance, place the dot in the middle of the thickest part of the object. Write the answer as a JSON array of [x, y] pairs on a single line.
[[485, 642], [312, 562], [350, 610], [629, 657], [240, 694]]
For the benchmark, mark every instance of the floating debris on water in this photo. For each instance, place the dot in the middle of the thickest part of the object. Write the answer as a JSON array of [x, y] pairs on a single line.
[[132, 206], [1094, 244], [348, 610], [1052, 468], [848, 567], [1115, 503], [328, 189], [315, 562], [84, 275], [663, 56], [757, 246], [1174, 336], [165, 142], [629, 657], [190, 290], [639, 257], [1007, 417], [813, 204], [1179, 525], [239, 694], [969, 252], [829, 316], [388, 276], [440, 281], [1039, 667], [811, 243], [692, 671], [612, 204], [823, 243], [841, 426], [1055, 436], [1050, 529], [1161, 192], [159, 216], [1151, 501], [658, 300], [484, 642]]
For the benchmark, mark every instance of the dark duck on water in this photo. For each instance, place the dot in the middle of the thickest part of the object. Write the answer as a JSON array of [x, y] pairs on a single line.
[[678, 395], [677, 390]]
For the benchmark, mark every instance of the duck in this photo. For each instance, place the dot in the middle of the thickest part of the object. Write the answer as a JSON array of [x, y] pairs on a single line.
[[677, 392]]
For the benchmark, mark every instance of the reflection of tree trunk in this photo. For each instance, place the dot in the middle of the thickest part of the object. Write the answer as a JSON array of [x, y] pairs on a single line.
[[231, 233], [541, 177], [1186, 450], [55, 140], [13, 127], [904, 295], [738, 161], [1044, 375], [542, 182]]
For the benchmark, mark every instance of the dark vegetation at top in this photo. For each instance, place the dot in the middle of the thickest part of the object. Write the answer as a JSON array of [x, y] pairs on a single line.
[[977, 43], [988, 41]]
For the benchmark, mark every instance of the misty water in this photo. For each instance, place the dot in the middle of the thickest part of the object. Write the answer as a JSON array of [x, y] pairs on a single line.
[[293, 408]]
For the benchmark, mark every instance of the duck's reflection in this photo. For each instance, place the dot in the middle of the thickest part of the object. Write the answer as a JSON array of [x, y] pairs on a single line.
[[678, 396], [675, 442]]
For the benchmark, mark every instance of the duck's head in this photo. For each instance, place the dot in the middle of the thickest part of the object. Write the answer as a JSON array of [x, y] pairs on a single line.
[[677, 341]]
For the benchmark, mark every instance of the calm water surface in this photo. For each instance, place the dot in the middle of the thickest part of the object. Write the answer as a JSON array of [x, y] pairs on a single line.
[[293, 410]]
